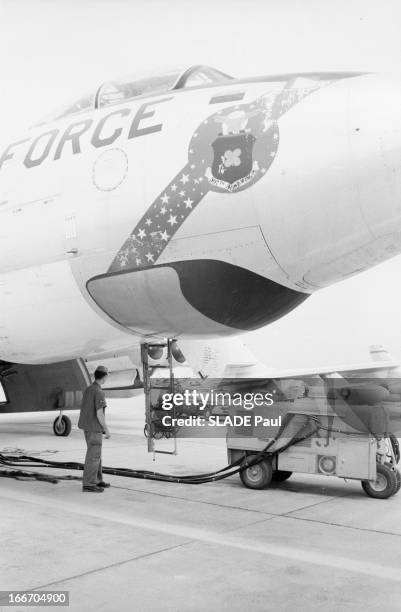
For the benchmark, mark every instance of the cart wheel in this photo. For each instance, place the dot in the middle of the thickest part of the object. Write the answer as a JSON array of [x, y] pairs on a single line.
[[62, 427], [281, 475], [257, 476], [396, 447], [385, 484], [146, 430], [157, 434]]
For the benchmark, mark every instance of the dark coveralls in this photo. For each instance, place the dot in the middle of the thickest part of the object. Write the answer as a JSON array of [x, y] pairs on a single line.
[[93, 399]]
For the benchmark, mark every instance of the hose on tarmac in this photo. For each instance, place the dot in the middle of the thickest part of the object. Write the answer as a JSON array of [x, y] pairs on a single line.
[[230, 470]]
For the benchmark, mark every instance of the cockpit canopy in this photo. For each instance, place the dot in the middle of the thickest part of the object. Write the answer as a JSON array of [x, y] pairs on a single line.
[[114, 92]]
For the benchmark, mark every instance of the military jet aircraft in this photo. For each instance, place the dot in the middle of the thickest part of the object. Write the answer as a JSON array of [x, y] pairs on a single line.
[[186, 204]]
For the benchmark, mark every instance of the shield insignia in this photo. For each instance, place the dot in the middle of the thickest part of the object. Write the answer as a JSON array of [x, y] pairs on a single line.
[[232, 160]]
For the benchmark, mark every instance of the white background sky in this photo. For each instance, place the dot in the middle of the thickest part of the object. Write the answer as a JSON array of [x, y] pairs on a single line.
[[51, 51]]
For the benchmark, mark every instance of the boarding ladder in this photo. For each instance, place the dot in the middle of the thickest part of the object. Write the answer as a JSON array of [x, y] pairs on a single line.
[[154, 388]]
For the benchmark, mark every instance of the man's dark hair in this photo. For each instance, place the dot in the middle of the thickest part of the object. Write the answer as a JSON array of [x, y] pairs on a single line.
[[99, 375]]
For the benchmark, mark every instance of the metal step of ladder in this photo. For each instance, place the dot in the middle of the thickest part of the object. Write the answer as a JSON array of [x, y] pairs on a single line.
[[153, 425]]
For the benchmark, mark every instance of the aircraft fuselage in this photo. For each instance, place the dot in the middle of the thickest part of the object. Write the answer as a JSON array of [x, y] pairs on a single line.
[[206, 211]]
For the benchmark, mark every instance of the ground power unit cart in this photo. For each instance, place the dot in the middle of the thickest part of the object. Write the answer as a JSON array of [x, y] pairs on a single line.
[[331, 428]]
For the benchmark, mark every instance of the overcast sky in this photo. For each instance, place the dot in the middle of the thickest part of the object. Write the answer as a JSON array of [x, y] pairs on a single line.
[[51, 51]]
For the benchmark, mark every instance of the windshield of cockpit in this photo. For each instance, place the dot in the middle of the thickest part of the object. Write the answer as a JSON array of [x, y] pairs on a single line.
[[113, 92], [123, 89], [131, 87]]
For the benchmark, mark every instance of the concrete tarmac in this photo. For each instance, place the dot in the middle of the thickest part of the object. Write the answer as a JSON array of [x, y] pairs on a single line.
[[310, 543]]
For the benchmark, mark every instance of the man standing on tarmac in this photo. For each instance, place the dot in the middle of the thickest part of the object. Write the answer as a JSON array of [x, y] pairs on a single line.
[[92, 421]]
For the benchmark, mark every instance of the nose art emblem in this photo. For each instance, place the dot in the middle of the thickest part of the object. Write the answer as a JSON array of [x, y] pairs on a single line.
[[229, 152]]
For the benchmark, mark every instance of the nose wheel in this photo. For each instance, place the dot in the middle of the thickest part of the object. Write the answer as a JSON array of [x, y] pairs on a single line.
[[62, 426]]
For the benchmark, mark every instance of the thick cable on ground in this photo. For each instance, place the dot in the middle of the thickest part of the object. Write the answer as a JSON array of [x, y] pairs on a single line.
[[229, 470]]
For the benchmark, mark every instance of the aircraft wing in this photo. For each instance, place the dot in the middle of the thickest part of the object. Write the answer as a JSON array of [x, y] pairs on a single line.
[[228, 359], [362, 370]]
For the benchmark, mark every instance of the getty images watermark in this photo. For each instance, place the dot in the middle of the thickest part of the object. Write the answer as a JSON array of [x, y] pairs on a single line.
[[206, 401]]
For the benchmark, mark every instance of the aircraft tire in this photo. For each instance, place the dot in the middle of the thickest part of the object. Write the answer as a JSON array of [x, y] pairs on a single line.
[[258, 476], [62, 427], [281, 475], [385, 484]]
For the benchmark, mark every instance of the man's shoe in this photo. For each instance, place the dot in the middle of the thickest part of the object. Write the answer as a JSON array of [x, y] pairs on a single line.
[[103, 484], [92, 489]]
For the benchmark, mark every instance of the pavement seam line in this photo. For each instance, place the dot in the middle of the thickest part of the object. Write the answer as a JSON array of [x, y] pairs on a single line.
[[268, 515], [138, 558], [106, 567], [215, 538], [353, 527], [318, 503], [324, 501]]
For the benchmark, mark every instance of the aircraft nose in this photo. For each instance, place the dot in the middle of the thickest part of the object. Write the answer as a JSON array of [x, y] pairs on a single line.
[[334, 190], [307, 195]]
